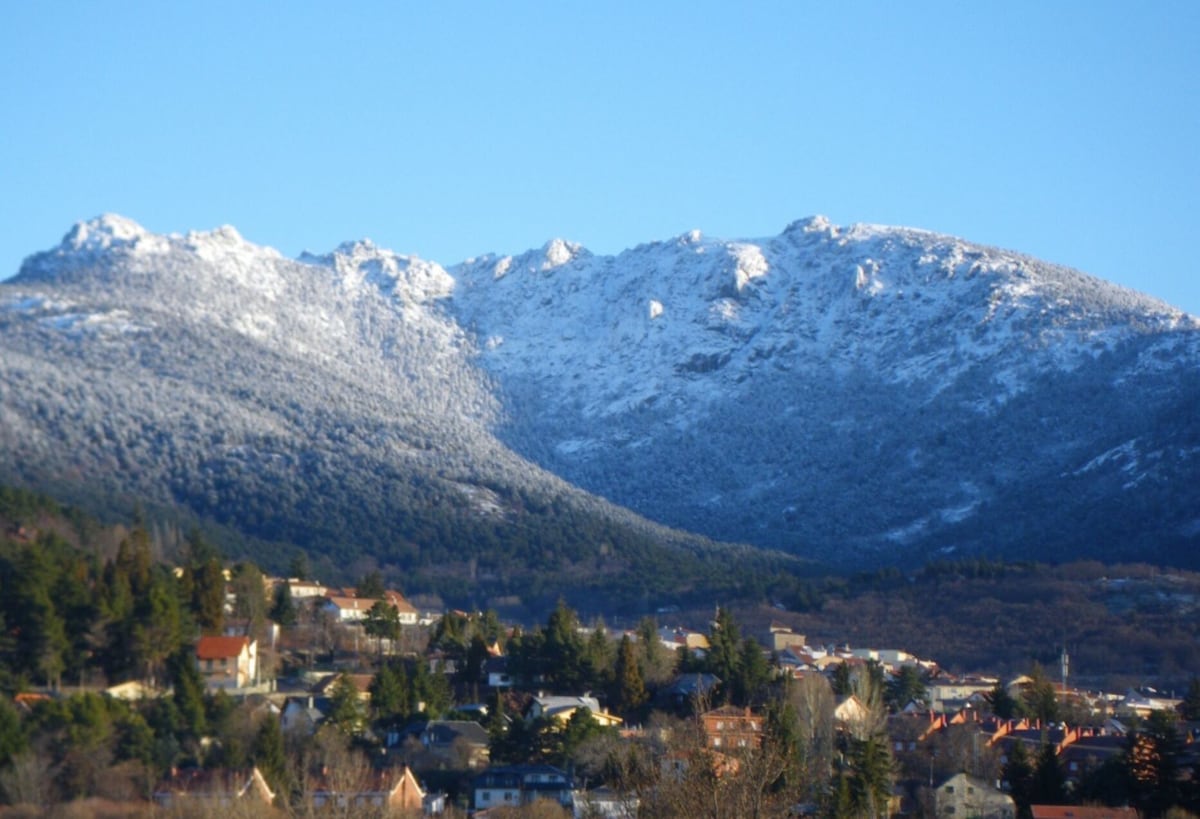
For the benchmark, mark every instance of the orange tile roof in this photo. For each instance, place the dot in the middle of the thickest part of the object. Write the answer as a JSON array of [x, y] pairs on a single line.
[[217, 648]]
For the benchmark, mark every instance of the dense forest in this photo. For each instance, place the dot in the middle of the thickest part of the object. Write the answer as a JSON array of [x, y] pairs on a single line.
[[1122, 625]]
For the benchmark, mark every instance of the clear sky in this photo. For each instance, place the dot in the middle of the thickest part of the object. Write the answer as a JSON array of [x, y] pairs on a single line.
[[1067, 130]]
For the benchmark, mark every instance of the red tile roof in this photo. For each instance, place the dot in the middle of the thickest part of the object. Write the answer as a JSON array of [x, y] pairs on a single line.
[[217, 648]]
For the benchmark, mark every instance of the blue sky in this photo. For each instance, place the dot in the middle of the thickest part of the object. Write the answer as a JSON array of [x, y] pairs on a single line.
[[1068, 130]]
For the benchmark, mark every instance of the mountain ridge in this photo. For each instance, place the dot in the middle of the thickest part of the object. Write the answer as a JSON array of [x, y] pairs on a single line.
[[828, 392]]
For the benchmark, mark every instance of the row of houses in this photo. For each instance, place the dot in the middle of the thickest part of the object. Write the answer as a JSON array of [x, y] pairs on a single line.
[[396, 790]]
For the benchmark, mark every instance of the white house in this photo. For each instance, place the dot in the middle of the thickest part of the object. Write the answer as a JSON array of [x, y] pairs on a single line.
[[349, 609], [227, 662]]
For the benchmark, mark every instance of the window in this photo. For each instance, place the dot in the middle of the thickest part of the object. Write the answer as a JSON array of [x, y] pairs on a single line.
[[970, 790], [949, 789]]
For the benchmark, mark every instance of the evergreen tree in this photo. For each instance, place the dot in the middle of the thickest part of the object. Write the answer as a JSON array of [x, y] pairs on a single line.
[[783, 733], [430, 689], [907, 686], [562, 650], [267, 754], [207, 585], [654, 658], [383, 623], [473, 663], [345, 706], [597, 660], [1003, 704], [134, 560], [1018, 773], [1040, 701], [580, 728], [841, 683], [157, 630], [1049, 780], [1153, 761], [752, 675], [41, 643], [283, 611], [12, 732], [724, 651], [497, 721], [871, 778], [187, 693], [630, 690], [298, 567], [250, 601], [389, 694], [135, 738]]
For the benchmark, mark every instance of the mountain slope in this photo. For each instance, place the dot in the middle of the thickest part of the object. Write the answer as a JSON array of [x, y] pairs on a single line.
[[870, 392], [326, 402], [863, 394]]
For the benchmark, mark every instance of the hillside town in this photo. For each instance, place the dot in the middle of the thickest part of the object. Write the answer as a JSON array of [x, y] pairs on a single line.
[[316, 700]]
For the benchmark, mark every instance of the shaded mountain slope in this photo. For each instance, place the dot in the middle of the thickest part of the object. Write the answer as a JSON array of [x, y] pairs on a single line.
[[860, 396]]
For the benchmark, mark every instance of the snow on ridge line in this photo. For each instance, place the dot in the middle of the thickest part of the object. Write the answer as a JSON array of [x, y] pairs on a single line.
[[114, 232]]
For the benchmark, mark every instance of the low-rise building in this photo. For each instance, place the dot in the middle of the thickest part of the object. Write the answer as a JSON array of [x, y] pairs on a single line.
[[227, 662], [730, 727], [215, 787], [381, 789], [963, 795], [515, 785]]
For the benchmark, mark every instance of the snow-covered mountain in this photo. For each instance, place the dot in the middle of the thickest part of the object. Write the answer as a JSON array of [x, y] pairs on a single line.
[[862, 394]]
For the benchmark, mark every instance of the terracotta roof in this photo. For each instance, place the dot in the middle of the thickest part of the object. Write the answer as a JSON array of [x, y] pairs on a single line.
[[217, 648], [397, 601], [352, 603]]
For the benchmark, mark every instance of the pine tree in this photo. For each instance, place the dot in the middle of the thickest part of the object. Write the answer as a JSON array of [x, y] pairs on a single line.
[[630, 691], [1003, 704], [283, 611], [12, 733], [841, 682], [388, 692], [299, 567], [208, 595], [724, 651], [563, 650], [1018, 773], [345, 707], [753, 673], [188, 693], [1049, 781], [268, 755], [871, 779], [907, 686], [1040, 699], [157, 630]]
